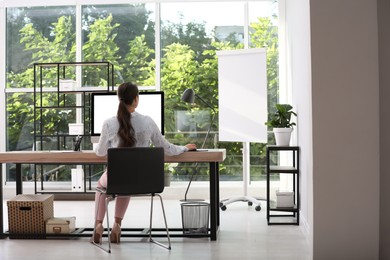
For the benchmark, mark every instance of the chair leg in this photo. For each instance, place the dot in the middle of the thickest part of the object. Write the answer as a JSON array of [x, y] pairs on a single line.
[[151, 218], [150, 228], [165, 221], [108, 229], [108, 225]]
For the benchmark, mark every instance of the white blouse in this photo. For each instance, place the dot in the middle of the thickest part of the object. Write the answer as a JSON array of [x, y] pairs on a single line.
[[146, 133]]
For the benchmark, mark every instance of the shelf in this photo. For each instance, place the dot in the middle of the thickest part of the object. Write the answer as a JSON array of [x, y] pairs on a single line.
[[283, 169], [290, 215], [282, 220], [83, 63], [60, 135], [282, 148], [62, 99], [59, 107], [86, 89], [67, 192], [273, 207], [78, 90]]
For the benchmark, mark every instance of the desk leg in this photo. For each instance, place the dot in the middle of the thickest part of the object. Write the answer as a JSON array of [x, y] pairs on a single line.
[[1, 203], [214, 199], [217, 192], [19, 179]]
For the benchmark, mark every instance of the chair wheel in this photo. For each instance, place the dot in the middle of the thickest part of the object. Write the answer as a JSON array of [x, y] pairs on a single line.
[[223, 207], [221, 204], [257, 208], [250, 203]]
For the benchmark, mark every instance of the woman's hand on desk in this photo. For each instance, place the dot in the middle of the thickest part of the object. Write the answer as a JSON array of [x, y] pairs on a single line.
[[191, 147]]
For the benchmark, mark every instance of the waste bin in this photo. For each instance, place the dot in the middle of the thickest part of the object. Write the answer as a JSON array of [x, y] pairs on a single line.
[[195, 217]]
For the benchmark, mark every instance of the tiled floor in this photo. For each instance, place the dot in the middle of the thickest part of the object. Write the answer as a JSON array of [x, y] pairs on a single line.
[[243, 234]]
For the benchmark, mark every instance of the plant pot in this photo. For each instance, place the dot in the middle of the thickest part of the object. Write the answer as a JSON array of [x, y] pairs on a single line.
[[282, 136], [167, 179]]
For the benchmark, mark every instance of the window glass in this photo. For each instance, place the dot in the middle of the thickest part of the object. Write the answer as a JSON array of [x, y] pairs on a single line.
[[263, 33], [191, 33], [38, 34], [123, 35]]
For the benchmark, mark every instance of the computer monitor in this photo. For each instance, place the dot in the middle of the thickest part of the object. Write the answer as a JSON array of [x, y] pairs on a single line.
[[105, 105]]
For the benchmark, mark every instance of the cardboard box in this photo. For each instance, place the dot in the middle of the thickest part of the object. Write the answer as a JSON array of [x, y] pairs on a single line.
[[284, 199], [60, 225], [27, 214]]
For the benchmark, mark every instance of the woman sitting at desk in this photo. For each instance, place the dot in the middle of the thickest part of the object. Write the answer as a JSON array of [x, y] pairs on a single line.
[[127, 129]]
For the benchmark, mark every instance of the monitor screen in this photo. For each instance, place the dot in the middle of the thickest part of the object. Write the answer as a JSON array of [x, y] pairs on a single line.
[[105, 105]]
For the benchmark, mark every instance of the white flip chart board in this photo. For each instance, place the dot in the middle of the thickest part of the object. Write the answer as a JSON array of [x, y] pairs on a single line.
[[242, 86]]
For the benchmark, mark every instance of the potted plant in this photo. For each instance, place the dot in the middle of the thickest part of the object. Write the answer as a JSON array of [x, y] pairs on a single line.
[[168, 170], [281, 123]]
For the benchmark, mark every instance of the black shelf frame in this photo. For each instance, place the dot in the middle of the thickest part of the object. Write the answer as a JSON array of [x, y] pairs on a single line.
[[278, 169], [62, 138]]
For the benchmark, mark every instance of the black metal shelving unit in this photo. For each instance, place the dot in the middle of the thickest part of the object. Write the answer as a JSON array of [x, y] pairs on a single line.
[[48, 78], [283, 215]]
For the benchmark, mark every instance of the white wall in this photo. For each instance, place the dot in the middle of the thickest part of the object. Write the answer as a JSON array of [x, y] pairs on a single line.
[[299, 77], [333, 58], [345, 111]]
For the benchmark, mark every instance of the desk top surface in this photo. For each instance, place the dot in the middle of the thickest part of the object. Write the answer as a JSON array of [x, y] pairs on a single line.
[[89, 157]]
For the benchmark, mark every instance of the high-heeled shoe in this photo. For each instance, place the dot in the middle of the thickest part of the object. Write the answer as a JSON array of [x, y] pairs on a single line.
[[115, 235], [97, 234]]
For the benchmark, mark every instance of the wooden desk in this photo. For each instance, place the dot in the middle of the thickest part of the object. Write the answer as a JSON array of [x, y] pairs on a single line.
[[211, 156]]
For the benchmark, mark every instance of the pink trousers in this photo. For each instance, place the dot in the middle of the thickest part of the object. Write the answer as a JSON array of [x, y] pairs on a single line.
[[100, 202]]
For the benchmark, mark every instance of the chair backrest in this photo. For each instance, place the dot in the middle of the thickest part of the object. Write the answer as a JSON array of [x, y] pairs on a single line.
[[137, 170]]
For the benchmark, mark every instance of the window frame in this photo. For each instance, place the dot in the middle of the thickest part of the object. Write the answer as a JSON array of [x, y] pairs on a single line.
[[284, 89]]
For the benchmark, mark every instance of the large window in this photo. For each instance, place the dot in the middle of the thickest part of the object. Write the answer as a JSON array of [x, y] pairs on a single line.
[[169, 46], [39, 34], [123, 35], [191, 33]]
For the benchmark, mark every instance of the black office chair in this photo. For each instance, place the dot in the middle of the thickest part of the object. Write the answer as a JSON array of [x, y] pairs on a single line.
[[135, 172]]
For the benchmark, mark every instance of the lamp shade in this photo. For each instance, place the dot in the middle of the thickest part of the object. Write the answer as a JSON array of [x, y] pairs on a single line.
[[188, 95]]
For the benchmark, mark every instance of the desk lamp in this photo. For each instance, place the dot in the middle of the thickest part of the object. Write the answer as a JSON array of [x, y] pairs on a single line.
[[188, 96]]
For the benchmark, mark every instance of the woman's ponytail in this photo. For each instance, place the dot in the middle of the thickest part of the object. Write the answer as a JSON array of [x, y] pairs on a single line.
[[127, 92]]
